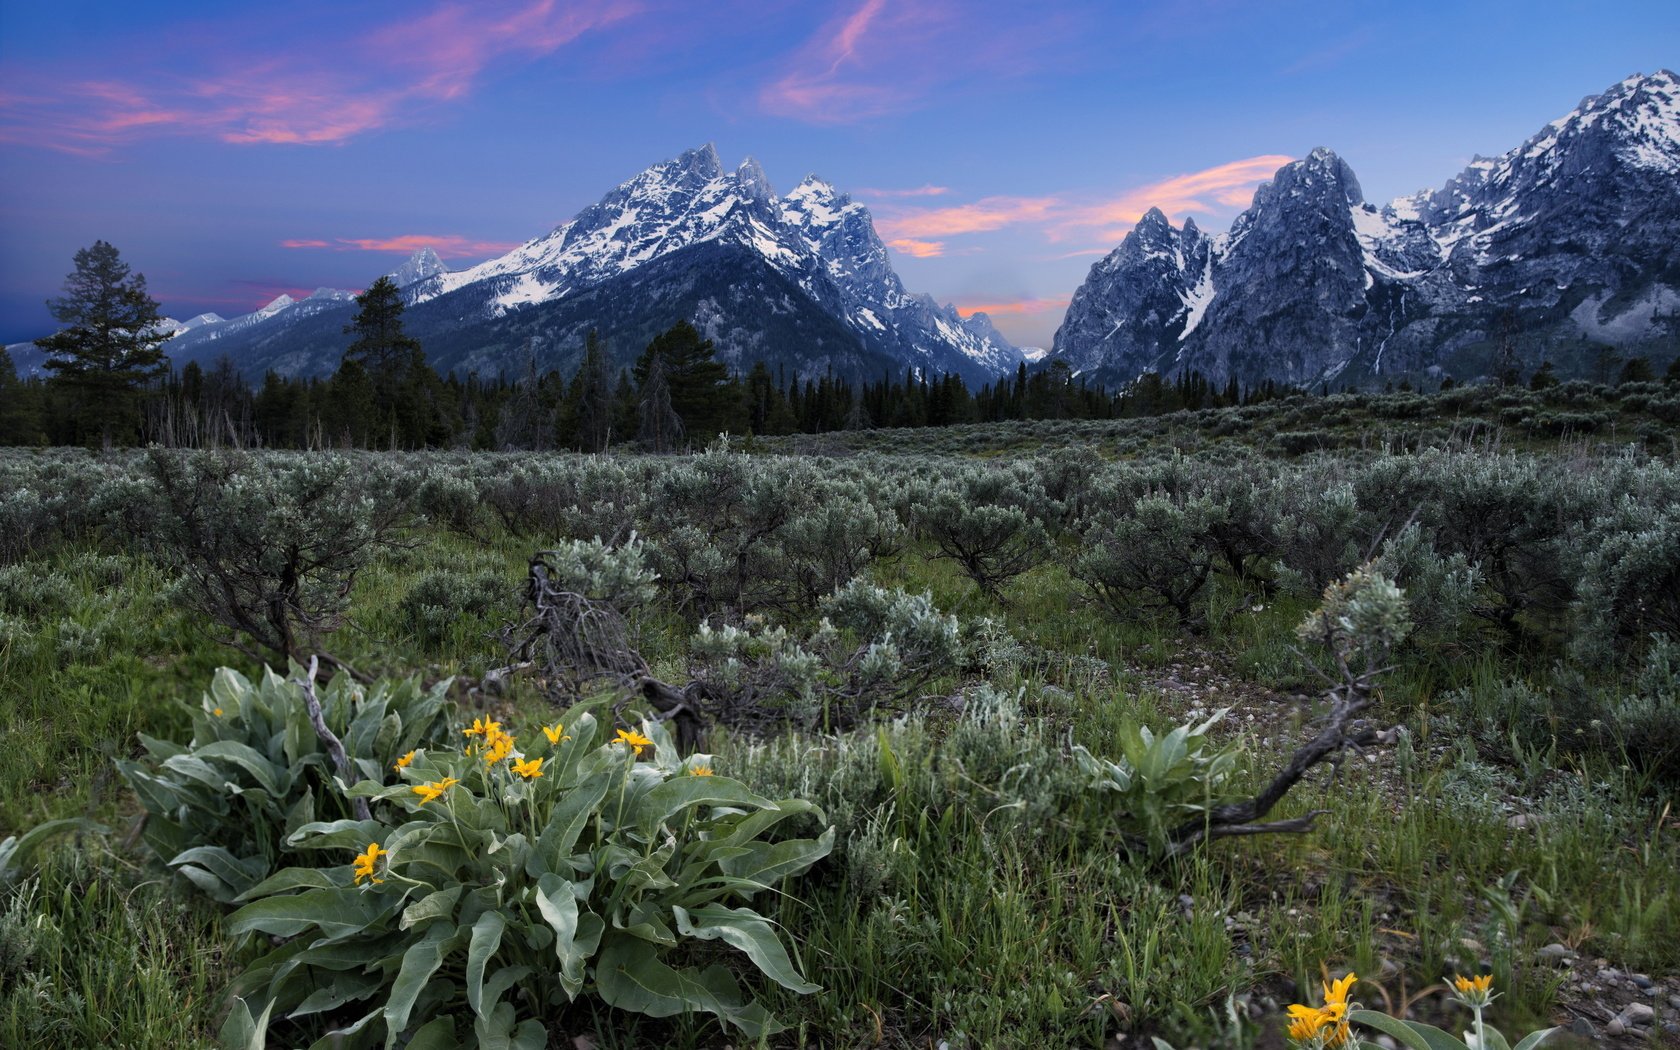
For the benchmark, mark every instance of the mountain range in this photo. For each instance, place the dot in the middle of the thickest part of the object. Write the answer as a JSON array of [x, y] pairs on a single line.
[[1556, 250], [801, 282], [1565, 246]]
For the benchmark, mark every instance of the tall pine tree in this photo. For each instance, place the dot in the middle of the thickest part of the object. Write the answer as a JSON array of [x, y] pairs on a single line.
[[111, 345]]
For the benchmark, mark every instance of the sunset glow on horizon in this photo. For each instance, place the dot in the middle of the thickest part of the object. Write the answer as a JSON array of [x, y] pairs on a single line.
[[231, 151]]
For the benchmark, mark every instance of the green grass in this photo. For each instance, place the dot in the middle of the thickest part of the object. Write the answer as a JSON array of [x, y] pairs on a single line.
[[977, 896]]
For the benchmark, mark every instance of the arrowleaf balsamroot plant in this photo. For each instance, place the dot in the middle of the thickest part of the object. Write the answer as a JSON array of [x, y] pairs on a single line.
[[494, 887]]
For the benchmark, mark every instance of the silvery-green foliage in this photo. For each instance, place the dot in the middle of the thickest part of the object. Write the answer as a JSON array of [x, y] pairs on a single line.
[[1320, 530], [442, 597], [616, 574], [928, 642], [450, 500], [1155, 555], [220, 806], [981, 520], [1360, 617], [267, 548], [1647, 720], [31, 590], [1630, 579], [1441, 591], [825, 545], [873, 647], [28, 524]]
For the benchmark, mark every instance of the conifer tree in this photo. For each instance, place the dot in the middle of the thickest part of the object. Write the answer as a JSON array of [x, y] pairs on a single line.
[[111, 345]]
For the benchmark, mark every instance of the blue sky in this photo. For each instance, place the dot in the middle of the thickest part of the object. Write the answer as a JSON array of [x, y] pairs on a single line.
[[232, 152]]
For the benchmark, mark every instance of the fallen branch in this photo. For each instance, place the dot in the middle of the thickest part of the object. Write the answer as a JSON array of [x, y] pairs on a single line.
[[329, 739]]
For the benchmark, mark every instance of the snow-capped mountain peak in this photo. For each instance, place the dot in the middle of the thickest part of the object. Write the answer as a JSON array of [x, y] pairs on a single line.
[[815, 236], [1570, 236], [422, 264]]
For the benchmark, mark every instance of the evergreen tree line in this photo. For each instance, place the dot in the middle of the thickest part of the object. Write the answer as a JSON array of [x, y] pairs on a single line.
[[676, 396]]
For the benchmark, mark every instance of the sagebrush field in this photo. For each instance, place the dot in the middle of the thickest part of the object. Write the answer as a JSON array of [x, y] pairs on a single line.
[[965, 737]]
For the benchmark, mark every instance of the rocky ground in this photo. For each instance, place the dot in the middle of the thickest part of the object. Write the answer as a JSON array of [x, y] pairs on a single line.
[[1597, 1004]]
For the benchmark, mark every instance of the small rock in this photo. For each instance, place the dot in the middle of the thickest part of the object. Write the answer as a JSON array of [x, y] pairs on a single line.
[[1674, 1001], [1637, 1015], [1583, 1028], [1553, 953], [1614, 1026]]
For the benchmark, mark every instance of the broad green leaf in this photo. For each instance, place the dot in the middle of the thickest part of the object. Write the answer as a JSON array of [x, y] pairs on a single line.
[[486, 938], [1534, 1039], [297, 878], [273, 779], [342, 988], [567, 820], [438, 905], [559, 907], [745, 929], [680, 793], [244, 1030], [337, 834], [1495, 1038], [769, 863], [436, 1034], [232, 873], [1411, 1034], [499, 1032], [336, 913], [630, 976], [418, 964]]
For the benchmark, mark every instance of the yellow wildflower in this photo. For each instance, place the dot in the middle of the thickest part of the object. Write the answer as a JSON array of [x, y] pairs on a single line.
[[402, 763], [555, 733], [497, 745], [634, 739], [1474, 992], [217, 712], [482, 727], [1305, 1022], [700, 771], [1336, 993], [530, 768], [433, 791], [365, 863]]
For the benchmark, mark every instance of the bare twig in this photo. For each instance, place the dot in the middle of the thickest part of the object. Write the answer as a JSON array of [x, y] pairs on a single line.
[[329, 739]]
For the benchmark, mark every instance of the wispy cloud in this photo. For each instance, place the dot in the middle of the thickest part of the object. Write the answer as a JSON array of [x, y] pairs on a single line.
[[1013, 307], [325, 93], [988, 213], [920, 191], [449, 245], [1221, 189], [918, 249], [886, 56]]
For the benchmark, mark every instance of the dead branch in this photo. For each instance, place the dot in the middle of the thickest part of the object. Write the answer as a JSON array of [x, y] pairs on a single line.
[[329, 739]]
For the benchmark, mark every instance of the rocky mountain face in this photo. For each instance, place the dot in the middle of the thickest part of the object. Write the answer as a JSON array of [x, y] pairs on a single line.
[[1568, 244], [800, 282]]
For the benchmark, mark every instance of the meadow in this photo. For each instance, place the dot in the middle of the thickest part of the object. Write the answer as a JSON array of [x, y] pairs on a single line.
[[968, 702]]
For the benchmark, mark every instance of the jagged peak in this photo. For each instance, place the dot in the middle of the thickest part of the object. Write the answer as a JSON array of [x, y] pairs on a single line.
[[702, 159], [752, 178], [279, 302]]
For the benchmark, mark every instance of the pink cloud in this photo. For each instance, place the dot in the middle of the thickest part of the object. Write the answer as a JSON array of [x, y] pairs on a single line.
[[391, 74], [988, 213], [448, 245], [1211, 191], [883, 57], [1013, 307], [919, 249], [1224, 186]]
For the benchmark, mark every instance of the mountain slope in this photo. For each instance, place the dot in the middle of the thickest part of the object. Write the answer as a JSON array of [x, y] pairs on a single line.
[[1569, 242], [802, 283]]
